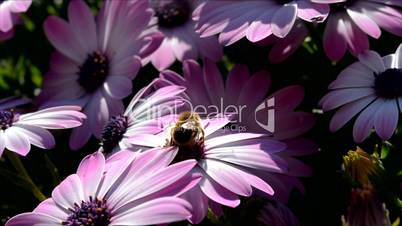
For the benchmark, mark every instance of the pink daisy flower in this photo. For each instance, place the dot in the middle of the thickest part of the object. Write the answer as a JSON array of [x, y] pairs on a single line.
[[277, 214], [141, 118], [245, 93], [19, 131], [96, 60], [351, 21], [9, 11], [127, 189], [371, 89], [255, 20], [173, 19], [224, 160], [282, 48]]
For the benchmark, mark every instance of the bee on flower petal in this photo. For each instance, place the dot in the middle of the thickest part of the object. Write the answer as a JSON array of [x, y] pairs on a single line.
[[187, 130]]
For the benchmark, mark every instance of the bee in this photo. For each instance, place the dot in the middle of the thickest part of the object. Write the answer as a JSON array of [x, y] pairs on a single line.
[[188, 130]]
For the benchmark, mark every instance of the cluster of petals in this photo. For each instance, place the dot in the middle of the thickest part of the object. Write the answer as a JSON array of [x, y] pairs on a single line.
[[96, 60], [351, 22], [245, 92], [18, 131], [255, 20], [181, 41], [226, 163], [140, 175], [143, 116], [125, 189], [369, 89]]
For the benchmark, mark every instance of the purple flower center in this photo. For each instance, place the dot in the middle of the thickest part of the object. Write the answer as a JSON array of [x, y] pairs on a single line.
[[93, 72], [188, 136], [388, 84], [189, 148], [113, 132], [171, 13], [6, 119], [89, 213], [342, 5]]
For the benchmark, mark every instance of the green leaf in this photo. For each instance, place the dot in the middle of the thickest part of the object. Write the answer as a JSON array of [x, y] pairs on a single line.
[[228, 64], [212, 217], [28, 23], [398, 202], [385, 150], [396, 222], [51, 10], [36, 75]]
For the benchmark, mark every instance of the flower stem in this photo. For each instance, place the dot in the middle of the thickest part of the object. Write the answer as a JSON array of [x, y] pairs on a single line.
[[16, 162]]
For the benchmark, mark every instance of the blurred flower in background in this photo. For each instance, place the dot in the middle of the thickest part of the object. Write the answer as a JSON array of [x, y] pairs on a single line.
[[351, 22], [96, 60], [181, 42], [9, 16], [255, 20], [282, 48], [366, 209]]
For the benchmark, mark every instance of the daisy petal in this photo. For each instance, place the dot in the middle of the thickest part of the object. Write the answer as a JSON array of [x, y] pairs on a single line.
[[83, 24], [397, 58], [49, 207], [80, 136], [365, 122], [54, 118], [34, 219], [365, 23], [340, 97], [118, 87], [37, 136], [218, 193], [90, 172], [2, 142], [348, 111], [372, 60], [334, 43], [227, 176], [386, 119], [16, 141], [68, 192], [312, 12], [197, 199], [158, 211], [283, 20], [61, 36]]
